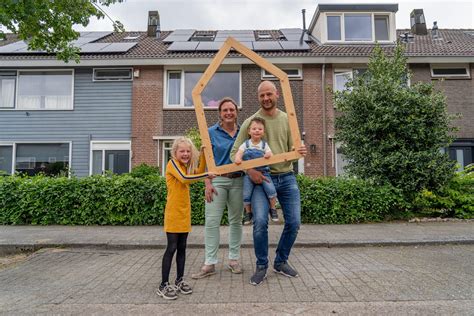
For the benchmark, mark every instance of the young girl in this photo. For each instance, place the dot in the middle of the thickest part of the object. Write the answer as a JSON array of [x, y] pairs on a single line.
[[253, 148], [181, 170]]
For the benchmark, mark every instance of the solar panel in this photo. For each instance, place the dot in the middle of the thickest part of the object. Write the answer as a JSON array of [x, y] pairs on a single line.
[[94, 47], [179, 36], [96, 35], [294, 45], [209, 46], [183, 46], [13, 47], [118, 47], [184, 31], [266, 45], [240, 35], [294, 34]]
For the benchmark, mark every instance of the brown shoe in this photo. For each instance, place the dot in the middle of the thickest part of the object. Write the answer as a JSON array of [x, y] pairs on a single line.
[[205, 271], [234, 267]]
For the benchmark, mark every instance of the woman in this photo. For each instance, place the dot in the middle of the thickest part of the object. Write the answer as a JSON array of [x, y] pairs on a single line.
[[224, 190]]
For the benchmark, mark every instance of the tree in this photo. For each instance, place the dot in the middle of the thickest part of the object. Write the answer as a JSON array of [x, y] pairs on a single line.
[[47, 25], [392, 132]]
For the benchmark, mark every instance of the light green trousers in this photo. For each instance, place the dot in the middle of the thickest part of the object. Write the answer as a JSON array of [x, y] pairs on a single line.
[[229, 193]]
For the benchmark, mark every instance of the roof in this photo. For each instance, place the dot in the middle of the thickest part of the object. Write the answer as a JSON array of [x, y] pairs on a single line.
[[451, 43]]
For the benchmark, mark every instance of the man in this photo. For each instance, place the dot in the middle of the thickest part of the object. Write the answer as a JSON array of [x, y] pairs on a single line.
[[278, 136]]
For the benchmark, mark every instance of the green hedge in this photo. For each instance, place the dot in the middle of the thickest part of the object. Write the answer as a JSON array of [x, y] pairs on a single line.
[[346, 201], [140, 200]]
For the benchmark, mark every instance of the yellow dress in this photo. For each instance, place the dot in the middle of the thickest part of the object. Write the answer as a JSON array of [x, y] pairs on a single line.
[[178, 201]]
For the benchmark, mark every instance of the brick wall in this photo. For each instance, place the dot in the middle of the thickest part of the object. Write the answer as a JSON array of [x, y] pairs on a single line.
[[147, 114], [313, 120], [459, 95]]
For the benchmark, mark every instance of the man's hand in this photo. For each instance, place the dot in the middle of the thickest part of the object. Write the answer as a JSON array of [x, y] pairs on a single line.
[[210, 190], [256, 176], [302, 150]]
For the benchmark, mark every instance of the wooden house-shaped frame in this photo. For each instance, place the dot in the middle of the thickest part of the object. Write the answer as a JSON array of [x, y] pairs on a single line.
[[287, 99]]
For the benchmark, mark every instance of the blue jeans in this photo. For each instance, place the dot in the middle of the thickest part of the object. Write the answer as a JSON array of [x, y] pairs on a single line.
[[289, 198], [249, 186]]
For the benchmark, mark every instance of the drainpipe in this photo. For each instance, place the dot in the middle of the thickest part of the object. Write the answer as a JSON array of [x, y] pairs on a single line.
[[323, 89]]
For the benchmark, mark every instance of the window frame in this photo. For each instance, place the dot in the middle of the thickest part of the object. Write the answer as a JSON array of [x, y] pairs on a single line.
[[450, 66], [182, 71], [38, 142], [95, 79], [372, 22], [299, 68], [104, 145], [13, 75], [17, 82]]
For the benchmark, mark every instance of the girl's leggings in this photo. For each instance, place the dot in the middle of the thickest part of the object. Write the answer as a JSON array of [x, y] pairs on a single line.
[[176, 243]]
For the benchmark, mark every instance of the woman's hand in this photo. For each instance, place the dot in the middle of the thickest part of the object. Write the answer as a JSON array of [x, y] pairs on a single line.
[[209, 190]]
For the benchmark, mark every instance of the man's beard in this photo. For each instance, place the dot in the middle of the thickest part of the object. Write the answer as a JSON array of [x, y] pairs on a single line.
[[269, 105]]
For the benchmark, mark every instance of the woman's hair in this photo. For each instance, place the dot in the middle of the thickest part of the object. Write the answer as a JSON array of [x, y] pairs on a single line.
[[258, 120], [225, 100], [194, 161]]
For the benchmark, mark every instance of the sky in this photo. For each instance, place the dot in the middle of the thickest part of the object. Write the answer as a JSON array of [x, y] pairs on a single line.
[[266, 14]]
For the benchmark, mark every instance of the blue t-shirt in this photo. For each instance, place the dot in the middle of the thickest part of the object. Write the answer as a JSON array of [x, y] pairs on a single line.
[[222, 144]]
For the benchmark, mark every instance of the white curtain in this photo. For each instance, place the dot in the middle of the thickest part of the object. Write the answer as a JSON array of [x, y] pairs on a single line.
[[7, 93]]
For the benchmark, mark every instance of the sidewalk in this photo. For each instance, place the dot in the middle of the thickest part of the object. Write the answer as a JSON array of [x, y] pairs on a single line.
[[27, 238]]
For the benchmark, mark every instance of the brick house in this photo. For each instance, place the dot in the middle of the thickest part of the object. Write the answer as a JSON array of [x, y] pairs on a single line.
[[130, 95]]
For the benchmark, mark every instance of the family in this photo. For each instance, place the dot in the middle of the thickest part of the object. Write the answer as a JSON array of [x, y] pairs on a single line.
[[263, 134]]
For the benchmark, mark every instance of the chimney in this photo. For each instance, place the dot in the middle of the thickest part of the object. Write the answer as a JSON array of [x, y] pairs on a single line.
[[303, 12], [434, 30], [154, 28], [417, 22]]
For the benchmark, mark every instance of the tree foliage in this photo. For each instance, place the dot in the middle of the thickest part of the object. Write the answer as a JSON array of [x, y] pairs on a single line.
[[392, 132], [47, 25]]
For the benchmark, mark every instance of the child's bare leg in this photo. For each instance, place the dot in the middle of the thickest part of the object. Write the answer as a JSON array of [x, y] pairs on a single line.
[[248, 208], [273, 202]]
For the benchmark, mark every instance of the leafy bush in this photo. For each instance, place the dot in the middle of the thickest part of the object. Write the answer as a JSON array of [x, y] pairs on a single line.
[[345, 201], [144, 170], [456, 199], [128, 200]]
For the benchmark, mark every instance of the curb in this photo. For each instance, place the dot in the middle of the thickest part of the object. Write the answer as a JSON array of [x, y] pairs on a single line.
[[32, 247]]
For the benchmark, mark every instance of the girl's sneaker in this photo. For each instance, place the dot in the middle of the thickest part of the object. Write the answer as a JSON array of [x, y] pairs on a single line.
[[184, 287], [167, 291], [274, 215]]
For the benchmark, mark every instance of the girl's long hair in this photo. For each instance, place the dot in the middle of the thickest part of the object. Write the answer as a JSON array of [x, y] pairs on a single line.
[[194, 161]]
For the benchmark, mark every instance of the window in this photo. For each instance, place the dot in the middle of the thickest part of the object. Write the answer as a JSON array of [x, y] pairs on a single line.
[[7, 89], [112, 74], [203, 36], [45, 90], [6, 159], [341, 161], [293, 73], [264, 36], [381, 27], [110, 156], [462, 153], [341, 77], [358, 27], [334, 28], [180, 84], [450, 71], [166, 154], [51, 159]]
